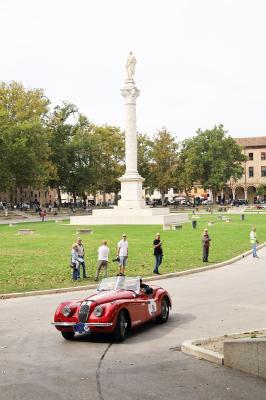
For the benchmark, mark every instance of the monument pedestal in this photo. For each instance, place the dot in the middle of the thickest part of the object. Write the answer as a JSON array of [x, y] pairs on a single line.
[[130, 216], [131, 191]]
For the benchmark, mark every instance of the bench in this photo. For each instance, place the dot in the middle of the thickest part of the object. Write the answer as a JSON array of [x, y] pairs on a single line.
[[25, 231], [84, 231], [176, 226]]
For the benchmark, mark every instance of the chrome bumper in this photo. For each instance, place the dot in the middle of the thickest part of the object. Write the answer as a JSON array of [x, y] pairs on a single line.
[[89, 324]]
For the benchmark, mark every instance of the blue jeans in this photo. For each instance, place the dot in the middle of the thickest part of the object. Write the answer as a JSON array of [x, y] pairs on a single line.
[[82, 264], [76, 272], [254, 249], [158, 262]]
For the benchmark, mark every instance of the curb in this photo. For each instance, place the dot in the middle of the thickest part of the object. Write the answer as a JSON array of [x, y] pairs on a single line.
[[148, 278], [192, 348]]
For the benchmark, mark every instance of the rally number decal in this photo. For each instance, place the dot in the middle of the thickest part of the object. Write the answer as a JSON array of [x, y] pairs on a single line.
[[152, 307]]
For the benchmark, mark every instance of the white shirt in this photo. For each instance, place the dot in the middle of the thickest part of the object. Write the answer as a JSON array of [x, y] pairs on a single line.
[[103, 253], [123, 248]]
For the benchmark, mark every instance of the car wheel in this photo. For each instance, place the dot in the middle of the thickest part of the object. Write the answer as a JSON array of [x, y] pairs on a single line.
[[163, 317], [68, 335], [121, 327]]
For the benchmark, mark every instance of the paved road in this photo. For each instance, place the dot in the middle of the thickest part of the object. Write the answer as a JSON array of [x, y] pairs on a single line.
[[36, 363]]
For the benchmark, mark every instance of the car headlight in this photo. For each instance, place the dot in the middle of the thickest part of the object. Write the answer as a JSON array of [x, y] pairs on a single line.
[[66, 311], [98, 311]]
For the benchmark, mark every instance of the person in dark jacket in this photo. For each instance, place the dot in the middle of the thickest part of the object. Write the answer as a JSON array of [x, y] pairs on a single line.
[[158, 253], [205, 245]]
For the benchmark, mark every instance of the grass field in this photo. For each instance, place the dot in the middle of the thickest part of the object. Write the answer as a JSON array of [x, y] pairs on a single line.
[[41, 261]]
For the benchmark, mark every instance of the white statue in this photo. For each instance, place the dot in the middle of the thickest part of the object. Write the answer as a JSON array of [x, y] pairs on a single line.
[[130, 65]]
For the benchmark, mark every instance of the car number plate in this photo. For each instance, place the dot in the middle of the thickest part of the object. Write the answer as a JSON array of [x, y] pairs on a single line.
[[81, 327]]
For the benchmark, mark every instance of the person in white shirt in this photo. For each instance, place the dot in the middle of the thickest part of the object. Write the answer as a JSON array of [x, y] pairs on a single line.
[[122, 254], [103, 254]]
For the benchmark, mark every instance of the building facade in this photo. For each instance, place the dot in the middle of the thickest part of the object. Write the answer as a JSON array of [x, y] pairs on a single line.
[[254, 174]]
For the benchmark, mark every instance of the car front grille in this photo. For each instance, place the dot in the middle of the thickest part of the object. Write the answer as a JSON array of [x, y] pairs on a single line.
[[84, 312]]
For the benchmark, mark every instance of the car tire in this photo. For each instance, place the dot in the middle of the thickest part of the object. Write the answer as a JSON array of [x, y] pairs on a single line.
[[68, 335], [121, 328], [163, 317]]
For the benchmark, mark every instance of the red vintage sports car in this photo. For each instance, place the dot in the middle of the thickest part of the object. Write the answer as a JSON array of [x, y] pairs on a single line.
[[119, 304]]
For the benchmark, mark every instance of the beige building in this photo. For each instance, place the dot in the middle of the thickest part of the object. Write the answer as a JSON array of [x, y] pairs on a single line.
[[254, 170], [29, 195]]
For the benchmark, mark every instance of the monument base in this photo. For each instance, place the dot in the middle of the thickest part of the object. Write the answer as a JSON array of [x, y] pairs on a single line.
[[123, 216]]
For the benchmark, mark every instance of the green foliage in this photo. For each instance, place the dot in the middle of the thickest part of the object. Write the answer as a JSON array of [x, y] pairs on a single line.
[[23, 137], [144, 158], [211, 158], [109, 145], [164, 161]]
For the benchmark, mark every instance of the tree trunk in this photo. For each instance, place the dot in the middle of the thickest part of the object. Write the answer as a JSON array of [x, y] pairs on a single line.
[[59, 195], [75, 198], [104, 197], [163, 197]]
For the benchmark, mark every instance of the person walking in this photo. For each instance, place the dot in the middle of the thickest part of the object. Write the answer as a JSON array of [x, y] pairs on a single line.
[[103, 254], [122, 254], [81, 255], [74, 263], [254, 242], [158, 253], [205, 245]]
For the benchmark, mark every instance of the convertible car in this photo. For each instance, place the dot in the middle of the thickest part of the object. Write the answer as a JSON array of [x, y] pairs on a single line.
[[119, 304]]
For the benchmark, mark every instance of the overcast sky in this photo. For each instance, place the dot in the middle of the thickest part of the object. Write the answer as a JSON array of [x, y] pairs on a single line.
[[199, 62]]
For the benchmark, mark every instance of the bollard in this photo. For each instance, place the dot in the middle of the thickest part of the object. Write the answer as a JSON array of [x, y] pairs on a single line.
[[194, 224], [242, 217]]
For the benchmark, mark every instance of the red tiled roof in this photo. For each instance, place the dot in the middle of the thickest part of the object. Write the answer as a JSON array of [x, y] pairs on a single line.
[[251, 141]]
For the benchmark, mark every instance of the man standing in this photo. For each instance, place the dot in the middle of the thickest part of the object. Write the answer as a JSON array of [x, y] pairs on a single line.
[[122, 253], [254, 242], [103, 253], [205, 245], [81, 255], [158, 253]]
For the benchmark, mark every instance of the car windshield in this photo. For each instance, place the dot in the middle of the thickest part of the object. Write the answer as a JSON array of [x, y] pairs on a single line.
[[120, 283]]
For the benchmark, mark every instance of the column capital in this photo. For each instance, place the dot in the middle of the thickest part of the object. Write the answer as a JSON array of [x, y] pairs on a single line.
[[130, 93]]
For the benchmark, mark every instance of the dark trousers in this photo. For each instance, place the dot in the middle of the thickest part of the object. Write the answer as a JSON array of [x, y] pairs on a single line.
[[205, 253], [82, 264], [158, 262]]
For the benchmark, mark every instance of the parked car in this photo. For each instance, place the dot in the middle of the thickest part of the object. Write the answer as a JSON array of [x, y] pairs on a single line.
[[207, 202], [119, 304]]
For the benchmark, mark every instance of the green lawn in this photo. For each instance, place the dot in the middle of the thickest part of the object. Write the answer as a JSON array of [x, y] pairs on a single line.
[[41, 261]]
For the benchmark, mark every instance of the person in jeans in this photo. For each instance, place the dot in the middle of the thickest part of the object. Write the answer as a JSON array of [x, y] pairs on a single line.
[[122, 254], [74, 262], [158, 253], [81, 254], [254, 242], [205, 245], [103, 253]]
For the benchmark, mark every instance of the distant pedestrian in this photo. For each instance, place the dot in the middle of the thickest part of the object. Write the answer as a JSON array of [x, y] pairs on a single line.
[[122, 254], [42, 214], [103, 254], [81, 256], [254, 241], [158, 253], [74, 263], [205, 245]]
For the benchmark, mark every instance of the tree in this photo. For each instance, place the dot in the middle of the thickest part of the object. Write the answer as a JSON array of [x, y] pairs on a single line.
[[260, 190], [23, 137], [109, 163], [144, 158], [164, 161], [70, 143], [212, 158]]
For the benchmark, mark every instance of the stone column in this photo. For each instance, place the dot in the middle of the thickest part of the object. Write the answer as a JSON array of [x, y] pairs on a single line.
[[131, 181]]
